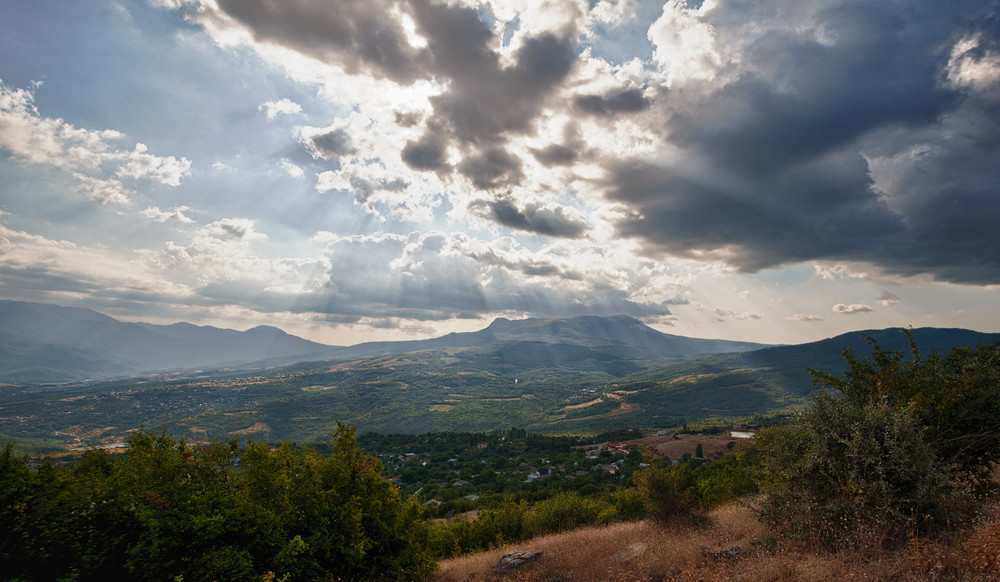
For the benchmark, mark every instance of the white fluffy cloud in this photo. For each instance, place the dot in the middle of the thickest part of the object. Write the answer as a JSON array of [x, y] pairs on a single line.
[[845, 309], [175, 214], [100, 168], [273, 109]]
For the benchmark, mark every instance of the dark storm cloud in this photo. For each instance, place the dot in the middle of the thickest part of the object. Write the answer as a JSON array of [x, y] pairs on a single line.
[[562, 154], [780, 151], [555, 155], [427, 153], [824, 209], [491, 168], [332, 145], [408, 118], [622, 101], [487, 100], [359, 36], [534, 218]]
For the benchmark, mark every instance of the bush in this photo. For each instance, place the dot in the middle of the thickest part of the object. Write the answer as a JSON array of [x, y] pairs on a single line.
[[847, 475], [670, 491], [956, 398], [165, 510], [890, 453]]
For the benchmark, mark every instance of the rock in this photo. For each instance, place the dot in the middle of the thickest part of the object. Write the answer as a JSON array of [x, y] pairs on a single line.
[[631, 552], [732, 552], [513, 560]]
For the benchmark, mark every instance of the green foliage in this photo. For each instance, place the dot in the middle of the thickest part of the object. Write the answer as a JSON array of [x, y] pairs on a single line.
[[848, 474], [890, 454], [692, 487], [956, 398], [670, 491], [223, 512]]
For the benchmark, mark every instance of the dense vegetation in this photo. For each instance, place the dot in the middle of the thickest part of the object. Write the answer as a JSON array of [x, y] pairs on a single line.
[[901, 446], [167, 511]]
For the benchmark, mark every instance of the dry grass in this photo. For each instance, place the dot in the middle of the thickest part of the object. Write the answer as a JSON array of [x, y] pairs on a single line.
[[644, 551]]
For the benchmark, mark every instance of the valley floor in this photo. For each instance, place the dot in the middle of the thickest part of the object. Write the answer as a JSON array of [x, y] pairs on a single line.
[[644, 551]]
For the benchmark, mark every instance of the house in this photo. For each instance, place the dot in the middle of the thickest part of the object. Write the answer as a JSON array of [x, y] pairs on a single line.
[[618, 448]]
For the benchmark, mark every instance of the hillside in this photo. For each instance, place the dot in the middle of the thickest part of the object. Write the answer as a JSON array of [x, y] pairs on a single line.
[[41, 343], [759, 381], [619, 337], [574, 376]]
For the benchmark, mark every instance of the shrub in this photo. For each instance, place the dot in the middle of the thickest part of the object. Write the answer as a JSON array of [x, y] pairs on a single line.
[[223, 512], [670, 491], [890, 453], [847, 474], [956, 398]]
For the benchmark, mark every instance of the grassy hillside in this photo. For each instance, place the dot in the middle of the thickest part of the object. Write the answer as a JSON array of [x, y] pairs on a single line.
[[646, 551]]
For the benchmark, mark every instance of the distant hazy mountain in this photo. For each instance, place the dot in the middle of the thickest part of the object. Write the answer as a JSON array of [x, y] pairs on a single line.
[[621, 336], [576, 376], [826, 355], [48, 343]]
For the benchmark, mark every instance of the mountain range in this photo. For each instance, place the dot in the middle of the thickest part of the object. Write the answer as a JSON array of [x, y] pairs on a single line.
[[580, 375], [42, 343]]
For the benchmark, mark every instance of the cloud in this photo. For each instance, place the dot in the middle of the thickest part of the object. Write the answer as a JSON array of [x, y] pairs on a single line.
[[291, 167], [139, 164], [272, 109], [805, 317], [330, 145], [437, 276], [821, 131], [176, 214], [544, 219], [492, 168], [852, 308], [621, 101], [427, 153], [754, 135], [723, 315], [360, 37], [684, 43], [99, 168], [888, 298], [237, 228], [36, 268]]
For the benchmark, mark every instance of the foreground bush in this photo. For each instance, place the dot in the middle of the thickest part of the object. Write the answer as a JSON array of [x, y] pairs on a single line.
[[166, 511], [847, 475], [894, 452]]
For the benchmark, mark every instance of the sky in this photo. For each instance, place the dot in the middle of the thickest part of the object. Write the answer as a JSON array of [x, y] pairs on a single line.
[[779, 171]]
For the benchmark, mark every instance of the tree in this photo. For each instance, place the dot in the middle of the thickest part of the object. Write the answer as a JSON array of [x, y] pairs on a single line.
[[891, 450], [847, 475], [956, 398], [227, 511]]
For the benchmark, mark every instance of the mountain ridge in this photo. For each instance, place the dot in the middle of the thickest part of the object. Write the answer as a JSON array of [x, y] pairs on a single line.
[[45, 343], [644, 341], [41, 343]]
